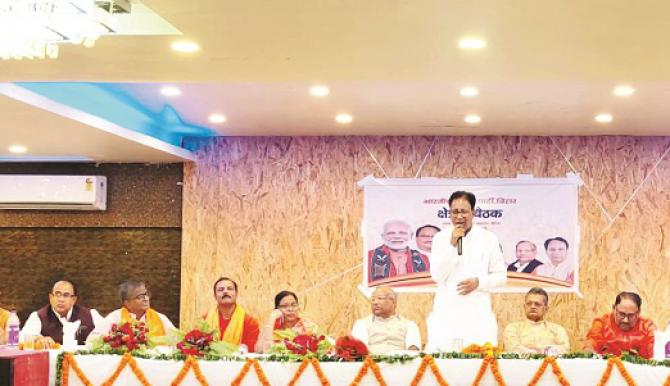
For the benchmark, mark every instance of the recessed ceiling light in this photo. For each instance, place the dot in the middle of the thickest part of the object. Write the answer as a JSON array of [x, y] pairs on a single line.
[[185, 46], [469, 91], [18, 149], [471, 43], [343, 118], [604, 118], [319, 91], [217, 118], [170, 91], [472, 119], [623, 90]]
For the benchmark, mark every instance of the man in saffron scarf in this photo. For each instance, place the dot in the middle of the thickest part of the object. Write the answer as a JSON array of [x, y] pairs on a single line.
[[234, 324], [623, 329], [136, 307]]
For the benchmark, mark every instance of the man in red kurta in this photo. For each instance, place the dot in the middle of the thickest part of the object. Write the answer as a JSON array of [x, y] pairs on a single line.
[[234, 324], [623, 329]]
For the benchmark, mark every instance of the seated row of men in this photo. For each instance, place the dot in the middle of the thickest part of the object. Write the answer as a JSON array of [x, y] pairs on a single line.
[[622, 329]]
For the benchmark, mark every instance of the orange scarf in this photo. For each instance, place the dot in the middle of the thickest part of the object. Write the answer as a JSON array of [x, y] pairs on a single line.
[[4, 315], [153, 321]]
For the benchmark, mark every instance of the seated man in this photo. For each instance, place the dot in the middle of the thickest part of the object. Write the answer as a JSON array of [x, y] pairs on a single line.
[[234, 324], [623, 329], [385, 331], [4, 315], [535, 334], [136, 306], [526, 262], [47, 323]]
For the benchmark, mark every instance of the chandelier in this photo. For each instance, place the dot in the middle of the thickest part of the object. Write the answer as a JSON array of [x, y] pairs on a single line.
[[33, 29]]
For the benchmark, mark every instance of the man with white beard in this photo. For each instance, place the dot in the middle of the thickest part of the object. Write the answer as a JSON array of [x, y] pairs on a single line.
[[394, 257]]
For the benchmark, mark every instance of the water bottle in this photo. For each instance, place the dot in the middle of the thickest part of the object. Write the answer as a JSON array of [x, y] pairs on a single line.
[[13, 329], [667, 344]]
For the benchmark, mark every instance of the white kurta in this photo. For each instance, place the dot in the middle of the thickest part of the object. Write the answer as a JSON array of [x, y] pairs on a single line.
[[466, 317]]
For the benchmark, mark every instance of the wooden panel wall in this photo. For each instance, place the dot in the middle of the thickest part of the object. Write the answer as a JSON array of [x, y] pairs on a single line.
[[139, 235], [284, 213]]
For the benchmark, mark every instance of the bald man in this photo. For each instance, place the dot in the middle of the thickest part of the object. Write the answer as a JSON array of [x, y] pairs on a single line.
[[385, 331]]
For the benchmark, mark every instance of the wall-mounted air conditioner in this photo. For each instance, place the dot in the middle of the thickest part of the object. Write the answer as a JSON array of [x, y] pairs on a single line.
[[20, 191]]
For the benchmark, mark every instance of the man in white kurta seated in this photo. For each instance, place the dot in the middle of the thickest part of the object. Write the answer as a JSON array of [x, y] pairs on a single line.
[[462, 312], [136, 307], [385, 331], [535, 334]]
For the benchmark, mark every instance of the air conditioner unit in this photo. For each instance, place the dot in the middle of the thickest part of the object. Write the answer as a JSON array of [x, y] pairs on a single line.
[[20, 191]]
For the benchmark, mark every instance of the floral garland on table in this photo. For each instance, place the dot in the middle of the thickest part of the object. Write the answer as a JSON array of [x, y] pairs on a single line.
[[245, 369], [489, 361], [667, 381], [369, 364], [190, 363], [616, 361], [317, 368], [486, 350], [127, 359], [428, 361], [555, 369]]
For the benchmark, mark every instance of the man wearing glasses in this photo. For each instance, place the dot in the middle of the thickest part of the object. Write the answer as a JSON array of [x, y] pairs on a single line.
[[135, 298], [466, 263], [46, 324], [623, 329]]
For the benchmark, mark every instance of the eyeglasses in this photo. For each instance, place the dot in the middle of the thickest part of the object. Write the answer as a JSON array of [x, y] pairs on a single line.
[[144, 296], [292, 306], [380, 298], [623, 315], [460, 212], [64, 295]]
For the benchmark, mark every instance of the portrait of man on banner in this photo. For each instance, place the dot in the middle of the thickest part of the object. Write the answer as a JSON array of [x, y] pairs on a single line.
[[395, 257]]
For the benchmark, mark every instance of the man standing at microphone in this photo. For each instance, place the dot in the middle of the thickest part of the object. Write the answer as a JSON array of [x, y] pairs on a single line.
[[466, 263]]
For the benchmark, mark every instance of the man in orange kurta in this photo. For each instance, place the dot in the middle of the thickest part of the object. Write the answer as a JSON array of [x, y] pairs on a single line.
[[234, 324], [623, 329]]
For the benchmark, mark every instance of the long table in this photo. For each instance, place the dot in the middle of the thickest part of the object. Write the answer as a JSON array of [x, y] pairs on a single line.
[[99, 368]]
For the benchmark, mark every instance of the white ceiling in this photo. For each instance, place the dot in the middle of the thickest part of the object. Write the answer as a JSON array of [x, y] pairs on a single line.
[[548, 69]]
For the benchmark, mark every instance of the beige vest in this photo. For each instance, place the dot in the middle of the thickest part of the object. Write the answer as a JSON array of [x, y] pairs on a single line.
[[385, 335]]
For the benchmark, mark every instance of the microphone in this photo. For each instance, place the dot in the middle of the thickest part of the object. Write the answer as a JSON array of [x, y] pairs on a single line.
[[459, 246]]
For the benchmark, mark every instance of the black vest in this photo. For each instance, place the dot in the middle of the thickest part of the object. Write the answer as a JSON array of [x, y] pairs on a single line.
[[51, 325], [529, 268]]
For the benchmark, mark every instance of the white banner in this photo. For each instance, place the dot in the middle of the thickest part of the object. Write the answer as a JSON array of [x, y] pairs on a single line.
[[535, 219]]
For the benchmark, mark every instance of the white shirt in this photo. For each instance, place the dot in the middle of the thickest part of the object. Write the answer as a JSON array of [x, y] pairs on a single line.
[[562, 271], [33, 325], [407, 331], [467, 318]]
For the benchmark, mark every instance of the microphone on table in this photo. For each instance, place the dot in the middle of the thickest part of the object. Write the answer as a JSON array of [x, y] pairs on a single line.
[[459, 246]]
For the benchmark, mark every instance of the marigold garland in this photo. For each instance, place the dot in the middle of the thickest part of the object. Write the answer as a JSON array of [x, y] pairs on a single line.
[[245, 369], [190, 363], [317, 368], [555, 369], [616, 361], [127, 359], [369, 364], [493, 363], [69, 361], [428, 362], [667, 381]]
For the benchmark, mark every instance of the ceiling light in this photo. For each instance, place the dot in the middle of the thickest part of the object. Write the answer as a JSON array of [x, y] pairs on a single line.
[[471, 43], [185, 46], [34, 28], [18, 149], [170, 91], [319, 91], [343, 118], [469, 91], [604, 118], [217, 118], [472, 119], [623, 91]]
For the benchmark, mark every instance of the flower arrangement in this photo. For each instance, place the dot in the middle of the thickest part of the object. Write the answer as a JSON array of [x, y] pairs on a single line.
[[127, 337], [299, 345], [486, 350], [348, 348], [195, 343]]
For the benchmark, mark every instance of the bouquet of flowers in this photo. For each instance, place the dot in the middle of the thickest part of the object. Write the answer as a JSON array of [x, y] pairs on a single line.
[[299, 345], [348, 348], [201, 341], [128, 336]]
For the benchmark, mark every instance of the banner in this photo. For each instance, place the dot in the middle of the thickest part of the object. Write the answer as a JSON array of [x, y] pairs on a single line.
[[535, 220]]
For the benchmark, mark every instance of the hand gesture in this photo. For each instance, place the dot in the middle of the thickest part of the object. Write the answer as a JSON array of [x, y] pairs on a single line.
[[457, 233], [467, 286]]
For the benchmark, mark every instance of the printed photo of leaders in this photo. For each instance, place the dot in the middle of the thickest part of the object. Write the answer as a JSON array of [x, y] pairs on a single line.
[[405, 250]]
